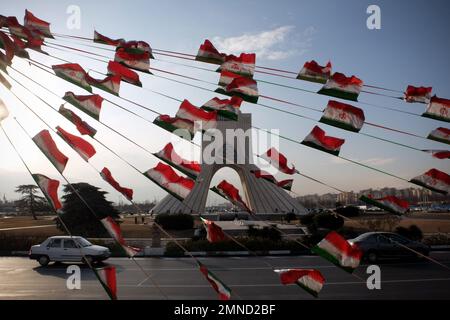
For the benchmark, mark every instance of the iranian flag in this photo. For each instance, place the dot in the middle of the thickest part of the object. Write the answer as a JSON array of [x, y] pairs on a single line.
[[206, 120], [418, 94], [181, 127], [313, 72], [278, 160], [231, 193], [228, 108], [169, 155], [208, 53], [107, 277], [89, 104], [19, 48], [439, 154], [4, 112], [214, 233], [73, 73], [243, 65], [107, 176], [134, 60], [136, 47], [81, 146], [285, 184], [220, 287], [45, 142], [434, 180], [343, 116], [34, 23], [318, 140], [8, 45], [99, 38], [114, 231], [339, 251], [110, 84], [343, 87], [390, 203], [438, 108], [242, 87], [49, 188], [82, 126], [440, 134], [226, 77], [310, 280], [126, 74], [164, 176]]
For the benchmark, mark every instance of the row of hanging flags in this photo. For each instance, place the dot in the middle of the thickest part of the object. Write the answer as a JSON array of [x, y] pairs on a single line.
[[236, 81]]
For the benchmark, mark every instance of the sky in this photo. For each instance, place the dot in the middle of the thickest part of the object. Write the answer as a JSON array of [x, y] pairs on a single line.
[[410, 48]]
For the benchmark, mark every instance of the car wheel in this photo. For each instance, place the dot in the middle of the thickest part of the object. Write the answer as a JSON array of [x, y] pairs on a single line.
[[372, 256], [43, 260]]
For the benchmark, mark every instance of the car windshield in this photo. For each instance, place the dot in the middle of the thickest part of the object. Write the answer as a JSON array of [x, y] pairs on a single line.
[[84, 243], [361, 237]]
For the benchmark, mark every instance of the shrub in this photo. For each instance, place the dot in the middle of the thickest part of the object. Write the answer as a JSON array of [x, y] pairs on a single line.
[[264, 233], [349, 211], [328, 221], [413, 232], [178, 221]]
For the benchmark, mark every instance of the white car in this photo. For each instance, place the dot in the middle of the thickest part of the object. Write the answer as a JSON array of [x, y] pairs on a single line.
[[64, 249]]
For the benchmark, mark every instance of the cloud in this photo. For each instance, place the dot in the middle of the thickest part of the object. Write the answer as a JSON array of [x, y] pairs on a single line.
[[277, 44]]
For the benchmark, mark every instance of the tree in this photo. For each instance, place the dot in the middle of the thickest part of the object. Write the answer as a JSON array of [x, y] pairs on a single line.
[[30, 200], [77, 216]]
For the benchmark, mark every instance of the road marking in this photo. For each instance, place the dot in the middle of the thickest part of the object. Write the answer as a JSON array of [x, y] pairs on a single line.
[[31, 227]]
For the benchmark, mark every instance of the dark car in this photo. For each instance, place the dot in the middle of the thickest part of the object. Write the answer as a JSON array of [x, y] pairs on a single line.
[[379, 245]]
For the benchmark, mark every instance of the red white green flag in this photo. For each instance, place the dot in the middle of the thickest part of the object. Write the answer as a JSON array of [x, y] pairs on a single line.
[[107, 176], [89, 104], [439, 154], [208, 53], [207, 120], [285, 184], [220, 287], [339, 251], [49, 188], [126, 74], [440, 134], [343, 87], [4, 112], [81, 146], [226, 77], [114, 231], [214, 233], [314, 72], [136, 47], [243, 87], [107, 277], [181, 127], [243, 65], [229, 108], [343, 116], [318, 140], [82, 126], [434, 180], [164, 176], [438, 108], [99, 38], [310, 280], [134, 60], [73, 73], [19, 47], [169, 155], [110, 84], [418, 94], [16, 29], [231, 193], [8, 45], [279, 161], [390, 203], [47, 145], [34, 23]]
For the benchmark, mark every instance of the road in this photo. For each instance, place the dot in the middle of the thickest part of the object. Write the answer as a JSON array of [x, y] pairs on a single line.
[[248, 277]]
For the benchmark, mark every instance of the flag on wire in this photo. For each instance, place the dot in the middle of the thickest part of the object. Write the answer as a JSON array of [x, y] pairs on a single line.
[[126, 74], [285, 184], [49, 188], [214, 233], [390, 203], [110, 84], [438, 109], [200, 117], [89, 104], [47, 145], [107, 277], [243, 65], [343, 116], [135, 60], [242, 87], [107, 176], [231, 193], [73, 73], [439, 154], [228, 108], [313, 72], [181, 127], [278, 160], [136, 47], [434, 180], [114, 231], [32, 22], [343, 87], [417, 94], [81, 146], [440, 134], [310, 280], [208, 53], [220, 287], [318, 140], [99, 38], [82, 126], [168, 155]]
